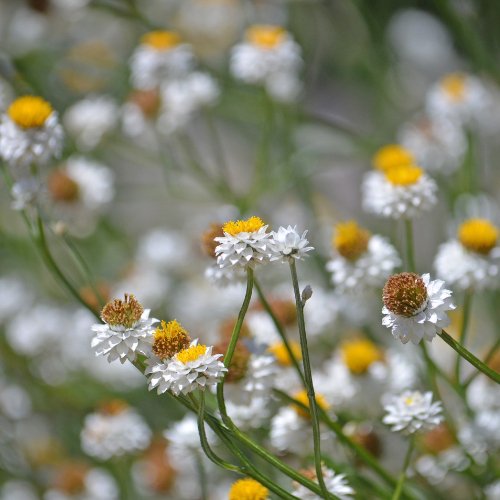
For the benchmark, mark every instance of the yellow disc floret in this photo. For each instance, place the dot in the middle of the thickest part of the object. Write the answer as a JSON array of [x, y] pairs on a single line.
[[29, 111], [404, 175], [265, 36], [250, 225], [391, 156], [350, 240], [303, 398], [191, 353], [161, 40], [248, 489], [478, 235], [169, 339], [454, 86], [280, 352], [359, 354]]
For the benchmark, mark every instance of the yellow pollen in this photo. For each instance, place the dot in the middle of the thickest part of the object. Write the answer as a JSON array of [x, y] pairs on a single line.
[[454, 85], [404, 175], [169, 339], [409, 400], [359, 354], [243, 226], [265, 36], [248, 489], [350, 240], [279, 351], [29, 111], [191, 353], [302, 397], [391, 156], [161, 40], [478, 235]]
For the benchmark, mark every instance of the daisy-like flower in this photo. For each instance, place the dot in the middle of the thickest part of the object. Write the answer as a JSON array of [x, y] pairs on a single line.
[[459, 97], [288, 244], [363, 260], [190, 369], [30, 133], [248, 489], [335, 484], [438, 144], [269, 57], [127, 330], [400, 192], [245, 243], [415, 307], [160, 56], [115, 430], [412, 411], [473, 259]]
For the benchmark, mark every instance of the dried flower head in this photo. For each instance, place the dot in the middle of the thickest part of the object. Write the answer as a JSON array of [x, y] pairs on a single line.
[[62, 187], [208, 244], [70, 478], [405, 294], [125, 313], [169, 339], [239, 362]]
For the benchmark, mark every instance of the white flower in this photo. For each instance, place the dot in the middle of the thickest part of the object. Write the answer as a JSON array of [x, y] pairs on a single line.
[[159, 57], [25, 193], [290, 432], [438, 144], [335, 483], [288, 244], [30, 133], [127, 330], [90, 119], [115, 432], [403, 192], [492, 491], [183, 436], [192, 368], [224, 277], [370, 269], [244, 243], [252, 415], [415, 307], [412, 411]]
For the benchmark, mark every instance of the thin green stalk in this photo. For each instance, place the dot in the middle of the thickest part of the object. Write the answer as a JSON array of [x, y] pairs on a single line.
[[468, 356], [402, 476], [487, 359], [308, 377], [410, 254], [281, 331], [217, 145], [463, 331]]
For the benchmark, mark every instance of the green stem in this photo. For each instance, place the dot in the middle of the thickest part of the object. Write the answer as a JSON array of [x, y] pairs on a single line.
[[463, 330], [308, 377], [280, 330], [402, 476], [487, 359], [468, 356], [410, 255]]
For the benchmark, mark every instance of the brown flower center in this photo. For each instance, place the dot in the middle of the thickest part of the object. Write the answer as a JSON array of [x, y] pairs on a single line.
[[208, 244], [404, 294], [125, 312], [62, 187]]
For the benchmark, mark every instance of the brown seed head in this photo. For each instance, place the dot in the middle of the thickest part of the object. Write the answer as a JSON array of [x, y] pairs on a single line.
[[125, 312], [159, 473], [284, 310], [169, 339], [226, 329], [239, 362], [208, 244], [70, 478], [438, 439], [62, 187], [147, 100], [368, 439], [404, 294]]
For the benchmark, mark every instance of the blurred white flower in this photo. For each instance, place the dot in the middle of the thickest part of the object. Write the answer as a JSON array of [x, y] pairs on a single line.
[[335, 483], [288, 244]]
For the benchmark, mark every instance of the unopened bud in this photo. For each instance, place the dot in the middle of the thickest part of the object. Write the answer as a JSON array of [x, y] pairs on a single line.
[[306, 294]]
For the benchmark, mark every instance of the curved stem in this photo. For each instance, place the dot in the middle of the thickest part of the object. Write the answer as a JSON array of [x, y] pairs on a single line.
[[463, 330], [468, 356], [308, 377], [402, 477], [487, 359]]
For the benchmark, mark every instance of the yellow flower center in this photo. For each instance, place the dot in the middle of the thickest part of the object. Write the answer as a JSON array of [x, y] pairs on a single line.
[[265, 36], [125, 312], [454, 86], [248, 489], [279, 351], [243, 226], [29, 111], [390, 156], [350, 240], [302, 397], [169, 339], [410, 400], [191, 353], [405, 175], [359, 354], [478, 235], [161, 40]]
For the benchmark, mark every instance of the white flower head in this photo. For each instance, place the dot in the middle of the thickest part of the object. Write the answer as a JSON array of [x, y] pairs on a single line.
[[472, 261], [114, 431], [412, 411], [190, 369], [415, 307], [245, 243], [335, 484], [363, 260], [289, 244], [30, 133], [127, 330], [401, 192]]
